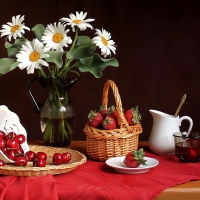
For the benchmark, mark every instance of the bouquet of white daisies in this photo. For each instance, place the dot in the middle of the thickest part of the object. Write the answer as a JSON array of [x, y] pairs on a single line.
[[55, 50]]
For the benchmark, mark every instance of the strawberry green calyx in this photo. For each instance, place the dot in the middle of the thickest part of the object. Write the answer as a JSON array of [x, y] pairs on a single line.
[[106, 120], [136, 115], [139, 156], [111, 109], [91, 115], [102, 107]]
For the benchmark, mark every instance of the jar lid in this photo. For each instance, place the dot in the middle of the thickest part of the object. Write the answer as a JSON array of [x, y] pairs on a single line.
[[187, 134]]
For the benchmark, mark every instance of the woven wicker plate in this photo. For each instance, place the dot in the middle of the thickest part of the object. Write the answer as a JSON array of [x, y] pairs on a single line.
[[76, 160]]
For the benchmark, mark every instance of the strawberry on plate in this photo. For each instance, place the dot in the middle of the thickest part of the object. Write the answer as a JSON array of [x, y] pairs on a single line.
[[109, 123], [133, 116], [94, 119], [134, 158]]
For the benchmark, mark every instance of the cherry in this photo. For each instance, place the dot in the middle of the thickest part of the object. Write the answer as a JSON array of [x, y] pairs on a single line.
[[10, 135], [19, 151], [39, 162], [4, 150], [2, 142], [41, 155], [11, 154], [66, 157], [12, 144], [2, 134], [20, 138], [2, 163], [21, 161], [30, 155], [57, 159]]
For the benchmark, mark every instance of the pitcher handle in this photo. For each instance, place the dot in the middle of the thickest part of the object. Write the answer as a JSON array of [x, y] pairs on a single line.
[[186, 118], [37, 105]]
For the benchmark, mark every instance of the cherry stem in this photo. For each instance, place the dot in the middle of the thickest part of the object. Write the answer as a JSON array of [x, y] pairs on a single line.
[[17, 128], [4, 128]]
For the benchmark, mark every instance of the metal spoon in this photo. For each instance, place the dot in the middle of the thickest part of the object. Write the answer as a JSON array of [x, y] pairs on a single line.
[[181, 103]]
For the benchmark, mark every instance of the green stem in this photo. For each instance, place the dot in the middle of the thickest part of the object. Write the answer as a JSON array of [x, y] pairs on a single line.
[[41, 72], [76, 36]]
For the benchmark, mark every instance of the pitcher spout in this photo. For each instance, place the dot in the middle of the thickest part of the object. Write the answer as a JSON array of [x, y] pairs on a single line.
[[70, 82], [159, 113]]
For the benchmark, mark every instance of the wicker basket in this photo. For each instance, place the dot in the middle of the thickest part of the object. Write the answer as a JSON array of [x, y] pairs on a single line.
[[103, 144], [76, 160]]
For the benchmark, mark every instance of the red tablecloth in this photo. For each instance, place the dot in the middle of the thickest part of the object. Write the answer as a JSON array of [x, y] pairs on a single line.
[[95, 180]]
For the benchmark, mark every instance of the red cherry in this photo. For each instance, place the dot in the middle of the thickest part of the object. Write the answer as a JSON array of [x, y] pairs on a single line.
[[11, 154], [12, 144], [4, 150], [21, 161], [41, 155], [30, 155], [190, 154], [66, 157], [2, 142], [2, 134], [19, 151], [20, 138], [10, 135], [2, 163], [39, 162], [57, 159]]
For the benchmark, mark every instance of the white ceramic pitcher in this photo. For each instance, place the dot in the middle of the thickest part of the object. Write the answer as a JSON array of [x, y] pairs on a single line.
[[161, 140]]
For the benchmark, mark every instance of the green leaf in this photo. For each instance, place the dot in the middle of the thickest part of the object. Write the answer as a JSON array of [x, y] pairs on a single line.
[[84, 48], [7, 45], [55, 57], [95, 64], [14, 49], [7, 65], [38, 30]]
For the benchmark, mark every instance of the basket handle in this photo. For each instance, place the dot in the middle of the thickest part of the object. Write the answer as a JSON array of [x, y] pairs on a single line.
[[121, 118]]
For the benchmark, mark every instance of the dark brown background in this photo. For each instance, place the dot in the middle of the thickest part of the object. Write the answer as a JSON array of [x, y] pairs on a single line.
[[158, 48]]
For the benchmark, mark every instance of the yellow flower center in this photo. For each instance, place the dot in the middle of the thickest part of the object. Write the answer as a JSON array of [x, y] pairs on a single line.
[[105, 42], [34, 56], [14, 28], [57, 37], [77, 21]]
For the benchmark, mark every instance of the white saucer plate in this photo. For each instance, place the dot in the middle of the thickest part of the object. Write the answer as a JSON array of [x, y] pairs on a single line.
[[117, 164]]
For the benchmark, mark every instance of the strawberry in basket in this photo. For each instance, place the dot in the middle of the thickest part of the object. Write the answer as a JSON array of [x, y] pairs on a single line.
[[133, 116], [103, 111], [112, 112], [109, 123], [95, 119]]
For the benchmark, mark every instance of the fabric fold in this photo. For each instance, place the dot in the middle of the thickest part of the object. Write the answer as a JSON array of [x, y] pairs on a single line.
[[32, 188]]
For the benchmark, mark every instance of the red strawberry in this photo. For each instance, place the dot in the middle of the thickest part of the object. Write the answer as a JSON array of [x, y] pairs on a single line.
[[103, 111], [94, 119], [109, 123], [112, 112], [134, 158], [133, 116]]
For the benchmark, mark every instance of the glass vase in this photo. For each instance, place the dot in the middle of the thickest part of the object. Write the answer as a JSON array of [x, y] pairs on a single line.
[[57, 113]]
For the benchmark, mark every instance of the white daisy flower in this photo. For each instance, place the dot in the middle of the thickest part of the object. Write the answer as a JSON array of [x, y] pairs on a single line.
[[78, 20], [15, 28], [31, 56], [102, 40], [55, 37]]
